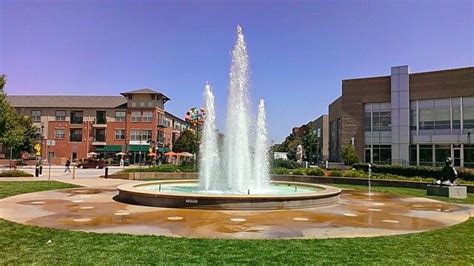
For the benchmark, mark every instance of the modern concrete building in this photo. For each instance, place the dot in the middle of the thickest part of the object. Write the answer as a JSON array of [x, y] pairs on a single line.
[[73, 126], [320, 127], [406, 118]]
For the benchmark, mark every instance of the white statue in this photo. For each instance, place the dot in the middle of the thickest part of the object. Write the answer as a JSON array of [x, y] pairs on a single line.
[[299, 154]]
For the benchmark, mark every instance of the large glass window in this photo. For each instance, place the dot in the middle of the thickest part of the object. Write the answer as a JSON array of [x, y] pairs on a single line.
[[120, 116], [426, 119], [76, 117], [413, 157], [60, 115], [367, 121], [413, 119], [75, 135], [456, 113], [381, 154], [441, 153], [36, 115], [468, 115], [99, 135], [469, 156], [426, 155], [442, 114]]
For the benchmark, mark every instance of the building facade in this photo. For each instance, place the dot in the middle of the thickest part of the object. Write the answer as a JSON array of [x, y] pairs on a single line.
[[320, 127], [406, 118], [73, 127]]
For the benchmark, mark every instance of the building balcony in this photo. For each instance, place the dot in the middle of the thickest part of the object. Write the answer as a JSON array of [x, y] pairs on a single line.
[[100, 123], [163, 123], [99, 141]]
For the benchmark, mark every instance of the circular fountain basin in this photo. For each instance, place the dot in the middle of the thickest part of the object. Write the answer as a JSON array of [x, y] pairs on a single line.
[[186, 194]]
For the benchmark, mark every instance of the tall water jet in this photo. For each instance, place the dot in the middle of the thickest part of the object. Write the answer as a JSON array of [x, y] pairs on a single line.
[[261, 161], [236, 155], [209, 164]]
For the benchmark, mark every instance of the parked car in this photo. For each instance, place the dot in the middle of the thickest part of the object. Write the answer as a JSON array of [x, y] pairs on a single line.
[[91, 163]]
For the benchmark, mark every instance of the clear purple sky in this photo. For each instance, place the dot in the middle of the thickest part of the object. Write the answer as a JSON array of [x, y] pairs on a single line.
[[299, 50]]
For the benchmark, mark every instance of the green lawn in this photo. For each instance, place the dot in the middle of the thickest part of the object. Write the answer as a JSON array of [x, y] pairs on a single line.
[[21, 244]]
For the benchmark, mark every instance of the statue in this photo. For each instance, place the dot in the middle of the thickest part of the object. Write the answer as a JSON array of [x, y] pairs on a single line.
[[299, 154], [448, 175]]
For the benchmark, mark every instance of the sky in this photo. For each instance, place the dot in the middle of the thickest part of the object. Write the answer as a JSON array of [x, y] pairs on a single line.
[[299, 50]]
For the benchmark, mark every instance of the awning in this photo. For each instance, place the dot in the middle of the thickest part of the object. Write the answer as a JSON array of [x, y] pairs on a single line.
[[109, 148], [163, 150], [142, 148]]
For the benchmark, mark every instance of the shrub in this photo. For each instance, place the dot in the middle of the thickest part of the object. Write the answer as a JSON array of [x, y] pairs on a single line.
[[280, 171], [315, 171], [414, 171], [163, 168], [349, 155], [335, 173], [15, 173], [354, 173], [299, 171], [289, 164]]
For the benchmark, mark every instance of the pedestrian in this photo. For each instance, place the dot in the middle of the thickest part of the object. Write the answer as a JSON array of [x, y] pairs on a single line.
[[68, 163]]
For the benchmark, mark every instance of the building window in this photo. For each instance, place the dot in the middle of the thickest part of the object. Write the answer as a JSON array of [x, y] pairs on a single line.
[[76, 117], [160, 137], [377, 117], [99, 135], [120, 134], [120, 116], [135, 135], [142, 104], [153, 96], [146, 135], [100, 117], [468, 112], [413, 157], [469, 156], [147, 116], [136, 116], [150, 104], [60, 115], [441, 153], [36, 116], [413, 117], [75, 135], [442, 115], [59, 133], [456, 113], [426, 155]]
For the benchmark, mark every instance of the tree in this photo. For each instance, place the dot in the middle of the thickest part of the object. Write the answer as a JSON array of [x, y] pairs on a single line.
[[349, 155], [3, 81], [16, 132], [310, 145], [186, 142]]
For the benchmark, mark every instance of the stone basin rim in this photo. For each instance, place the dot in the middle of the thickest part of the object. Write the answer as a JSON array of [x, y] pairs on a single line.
[[327, 191]]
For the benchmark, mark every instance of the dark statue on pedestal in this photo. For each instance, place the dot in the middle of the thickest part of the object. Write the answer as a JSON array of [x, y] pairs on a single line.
[[448, 175]]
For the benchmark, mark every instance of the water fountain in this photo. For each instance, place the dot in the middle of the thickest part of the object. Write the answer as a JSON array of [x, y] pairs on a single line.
[[236, 175]]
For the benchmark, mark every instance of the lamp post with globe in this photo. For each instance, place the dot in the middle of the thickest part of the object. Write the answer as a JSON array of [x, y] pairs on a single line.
[[195, 118]]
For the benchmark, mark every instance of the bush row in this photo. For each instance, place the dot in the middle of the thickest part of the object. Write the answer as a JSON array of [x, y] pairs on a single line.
[[15, 173], [298, 171], [288, 164], [413, 171], [163, 168]]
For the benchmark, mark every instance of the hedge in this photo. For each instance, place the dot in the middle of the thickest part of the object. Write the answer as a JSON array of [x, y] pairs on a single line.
[[289, 164], [162, 168], [413, 171], [15, 173]]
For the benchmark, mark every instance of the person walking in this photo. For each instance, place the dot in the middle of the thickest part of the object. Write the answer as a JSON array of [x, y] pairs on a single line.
[[68, 163]]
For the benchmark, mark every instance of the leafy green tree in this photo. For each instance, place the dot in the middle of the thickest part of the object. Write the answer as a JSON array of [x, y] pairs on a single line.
[[186, 142], [16, 131], [3, 81], [349, 155], [310, 145]]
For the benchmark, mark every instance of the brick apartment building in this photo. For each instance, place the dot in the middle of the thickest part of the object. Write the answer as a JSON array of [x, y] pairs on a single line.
[[73, 126], [406, 118]]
